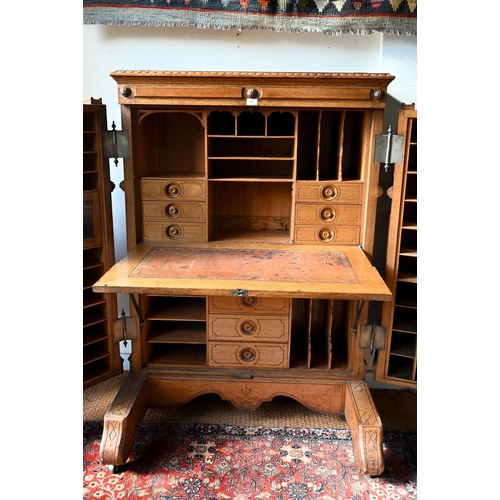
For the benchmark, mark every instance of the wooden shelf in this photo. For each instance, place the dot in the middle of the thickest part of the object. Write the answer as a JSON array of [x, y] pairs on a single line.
[[101, 357]]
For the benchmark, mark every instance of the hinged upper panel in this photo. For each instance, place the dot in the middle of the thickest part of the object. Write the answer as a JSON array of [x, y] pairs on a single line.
[[205, 88]]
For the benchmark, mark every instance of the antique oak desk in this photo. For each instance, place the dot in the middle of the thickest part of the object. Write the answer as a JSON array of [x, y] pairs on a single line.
[[250, 202]]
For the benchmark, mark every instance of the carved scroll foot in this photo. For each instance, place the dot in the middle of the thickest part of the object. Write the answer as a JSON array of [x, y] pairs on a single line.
[[366, 428], [121, 420]]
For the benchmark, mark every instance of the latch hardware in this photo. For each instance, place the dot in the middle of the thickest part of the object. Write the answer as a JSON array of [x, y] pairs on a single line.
[[373, 337], [388, 148], [240, 292]]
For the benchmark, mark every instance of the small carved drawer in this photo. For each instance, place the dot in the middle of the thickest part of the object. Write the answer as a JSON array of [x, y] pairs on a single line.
[[254, 328], [173, 211], [172, 189], [328, 234], [340, 192], [174, 231], [262, 305], [247, 355], [329, 214]]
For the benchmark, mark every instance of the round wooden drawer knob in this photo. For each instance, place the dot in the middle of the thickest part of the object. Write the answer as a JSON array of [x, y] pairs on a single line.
[[247, 354], [248, 327], [172, 190], [249, 301], [172, 211], [173, 232], [327, 214], [326, 234], [329, 192]]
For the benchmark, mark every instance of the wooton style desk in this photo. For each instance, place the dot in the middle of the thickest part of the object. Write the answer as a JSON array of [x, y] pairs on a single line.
[[251, 201]]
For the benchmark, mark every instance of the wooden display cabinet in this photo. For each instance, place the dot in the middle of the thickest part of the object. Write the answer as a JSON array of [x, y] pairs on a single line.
[[250, 201], [397, 363], [101, 356]]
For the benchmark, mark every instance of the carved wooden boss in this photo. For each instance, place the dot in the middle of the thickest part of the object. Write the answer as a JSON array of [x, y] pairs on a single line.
[[251, 202]]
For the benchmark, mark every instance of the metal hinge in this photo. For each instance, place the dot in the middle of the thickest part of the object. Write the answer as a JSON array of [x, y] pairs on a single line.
[[373, 337], [115, 144], [240, 292], [124, 329], [388, 148]]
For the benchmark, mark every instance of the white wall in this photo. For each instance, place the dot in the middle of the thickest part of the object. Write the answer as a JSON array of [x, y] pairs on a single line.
[[110, 48]]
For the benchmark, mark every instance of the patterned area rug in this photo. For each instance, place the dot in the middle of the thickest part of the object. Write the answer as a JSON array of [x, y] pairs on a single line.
[[360, 17], [213, 462]]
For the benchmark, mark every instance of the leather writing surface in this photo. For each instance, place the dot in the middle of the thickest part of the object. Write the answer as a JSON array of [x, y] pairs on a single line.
[[259, 265]]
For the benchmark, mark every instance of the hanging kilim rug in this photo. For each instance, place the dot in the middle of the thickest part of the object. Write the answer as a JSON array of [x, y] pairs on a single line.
[[332, 17], [218, 462]]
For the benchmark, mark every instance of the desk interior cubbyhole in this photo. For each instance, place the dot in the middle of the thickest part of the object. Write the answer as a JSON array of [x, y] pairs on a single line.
[[175, 330], [319, 334], [251, 123], [405, 319], [401, 368], [408, 244], [281, 123], [170, 144], [251, 209], [407, 269], [406, 294], [411, 187], [404, 344]]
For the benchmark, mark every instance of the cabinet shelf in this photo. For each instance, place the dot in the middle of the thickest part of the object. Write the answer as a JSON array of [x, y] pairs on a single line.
[[93, 337], [169, 355], [178, 309], [90, 264], [405, 319], [93, 319], [93, 354], [252, 178], [90, 300], [178, 333]]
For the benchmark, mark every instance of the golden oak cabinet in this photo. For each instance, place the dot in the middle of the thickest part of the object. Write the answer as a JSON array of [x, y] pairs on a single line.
[[101, 356], [250, 202], [397, 363]]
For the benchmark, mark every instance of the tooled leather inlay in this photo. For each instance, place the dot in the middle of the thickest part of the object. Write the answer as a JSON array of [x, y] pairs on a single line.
[[258, 265]]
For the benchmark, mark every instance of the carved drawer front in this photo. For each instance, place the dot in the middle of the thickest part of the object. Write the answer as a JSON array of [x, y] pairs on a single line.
[[247, 355], [327, 234], [172, 189], [329, 214], [337, 192], [252, 327], [174, 231], [173, 211], [264, 305]]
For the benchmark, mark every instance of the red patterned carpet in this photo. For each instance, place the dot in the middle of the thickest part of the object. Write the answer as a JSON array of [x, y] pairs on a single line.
[[219, 462]]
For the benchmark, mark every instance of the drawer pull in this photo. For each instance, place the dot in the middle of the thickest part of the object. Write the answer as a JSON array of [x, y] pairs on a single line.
[[172, 211], [125, 91], [326, 234], [248, 327], [247, 354], [250, 93], [173, 232], [172, 190], [249, 301], [327, 214], [329, 192]]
